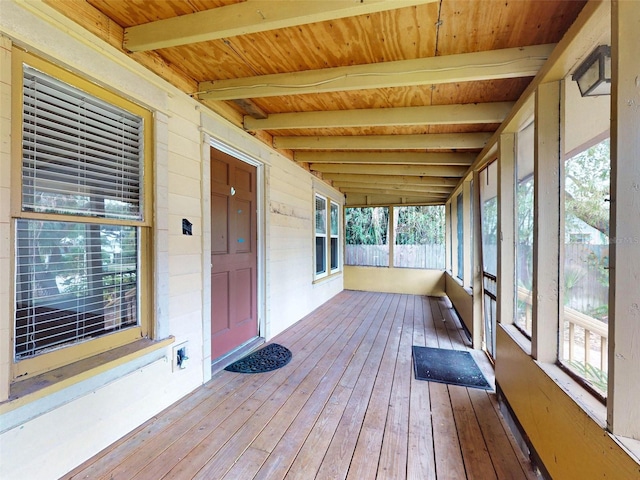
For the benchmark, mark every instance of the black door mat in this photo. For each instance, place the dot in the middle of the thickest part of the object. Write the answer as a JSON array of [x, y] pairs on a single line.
[[271, 357], [455, 367]]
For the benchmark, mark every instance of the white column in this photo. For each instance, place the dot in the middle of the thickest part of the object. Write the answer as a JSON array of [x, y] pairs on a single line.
[[623, 403]]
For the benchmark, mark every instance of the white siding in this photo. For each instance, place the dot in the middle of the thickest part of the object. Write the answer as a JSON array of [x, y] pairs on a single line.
[[68, 427]]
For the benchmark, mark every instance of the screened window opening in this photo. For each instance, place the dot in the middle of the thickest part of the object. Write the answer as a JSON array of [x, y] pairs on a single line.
[[524, 229], [82, 161], [419, 237], [367, 236], [584, 329], [460, 235]]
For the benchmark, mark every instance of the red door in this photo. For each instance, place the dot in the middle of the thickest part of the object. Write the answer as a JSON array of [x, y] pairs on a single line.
[[233, 253]]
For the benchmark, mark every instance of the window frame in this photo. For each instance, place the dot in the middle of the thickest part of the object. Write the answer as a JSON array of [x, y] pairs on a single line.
[[63, 355], [334, 235], [325, 272]]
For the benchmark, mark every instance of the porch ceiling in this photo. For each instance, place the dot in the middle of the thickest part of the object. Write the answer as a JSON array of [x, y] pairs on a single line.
[[364, 94]]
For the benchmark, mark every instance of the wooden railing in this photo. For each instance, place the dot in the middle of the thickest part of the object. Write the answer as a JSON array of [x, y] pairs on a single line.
[[577, 345]]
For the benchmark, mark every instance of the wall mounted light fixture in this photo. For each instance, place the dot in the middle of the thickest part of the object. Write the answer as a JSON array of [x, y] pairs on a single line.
[[594, 74]]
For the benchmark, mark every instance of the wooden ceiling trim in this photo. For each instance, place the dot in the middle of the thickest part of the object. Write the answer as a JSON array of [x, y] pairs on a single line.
[[391, 179], [248, 17], [466, 67], [494, 112], [442, 141], [584, 33], [399, 158], [411, 170]]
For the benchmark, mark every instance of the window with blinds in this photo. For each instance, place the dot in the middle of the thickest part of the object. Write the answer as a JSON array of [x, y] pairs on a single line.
[[78, 241], [80, 155]]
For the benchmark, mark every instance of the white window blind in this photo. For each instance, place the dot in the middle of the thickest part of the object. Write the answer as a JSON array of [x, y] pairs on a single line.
[[76, 280], [81, 155]]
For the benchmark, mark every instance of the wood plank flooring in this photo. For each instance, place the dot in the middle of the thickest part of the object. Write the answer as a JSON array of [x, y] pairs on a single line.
[[346, 407]]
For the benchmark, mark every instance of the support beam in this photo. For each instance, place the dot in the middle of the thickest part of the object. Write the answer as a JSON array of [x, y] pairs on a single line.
[[506, 278], [384, 142], [623, 408], [391, 179], [425, 196], [547, 288], [390, 158], [398, 189], [248, 17], [465, 67], [379, 117], [415, 170], [361, 200]]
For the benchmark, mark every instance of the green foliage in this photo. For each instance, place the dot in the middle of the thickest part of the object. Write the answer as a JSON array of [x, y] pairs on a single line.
[[587, 186], [415, 225], [420, 225], [596, 377], [367, 225]]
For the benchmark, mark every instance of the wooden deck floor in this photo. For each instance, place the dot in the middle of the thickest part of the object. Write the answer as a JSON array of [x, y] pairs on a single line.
[[346, 406]]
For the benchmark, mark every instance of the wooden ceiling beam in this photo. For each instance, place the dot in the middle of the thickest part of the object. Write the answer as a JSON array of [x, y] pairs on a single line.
[[411, 170], [465, 67], [364, 200], [391, 179], [390, 158], [248, 17], [494, 112], [439, 141], [399, 189], [408, 193]]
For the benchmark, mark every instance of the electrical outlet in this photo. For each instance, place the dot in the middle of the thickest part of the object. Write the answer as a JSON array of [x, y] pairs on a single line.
[[180, 357]]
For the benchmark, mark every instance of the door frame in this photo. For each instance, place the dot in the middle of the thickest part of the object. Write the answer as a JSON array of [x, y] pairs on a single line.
[[261, 310]]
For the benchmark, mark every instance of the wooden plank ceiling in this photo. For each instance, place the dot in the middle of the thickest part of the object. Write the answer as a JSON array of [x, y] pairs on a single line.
[[388, 100]]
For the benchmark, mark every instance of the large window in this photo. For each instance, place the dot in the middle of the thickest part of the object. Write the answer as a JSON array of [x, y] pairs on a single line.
[[321, 236], [489, 227], [460, 235], [81, 222], [524, 229], [419, 237], [585, 313], [367, 236], [327, 237]]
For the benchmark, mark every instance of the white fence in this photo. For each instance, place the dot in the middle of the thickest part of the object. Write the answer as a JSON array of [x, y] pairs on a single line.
[[407, 256]]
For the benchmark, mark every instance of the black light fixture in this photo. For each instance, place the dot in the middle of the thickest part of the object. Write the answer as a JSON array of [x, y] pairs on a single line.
[[594, 74]]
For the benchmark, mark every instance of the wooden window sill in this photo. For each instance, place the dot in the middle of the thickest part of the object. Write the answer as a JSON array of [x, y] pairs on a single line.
[[30, 390]]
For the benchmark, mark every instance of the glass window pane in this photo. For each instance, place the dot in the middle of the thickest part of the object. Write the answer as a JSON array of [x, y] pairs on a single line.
[[321, 215], [74, 281], [321, 255], [335, 219], [80, 155], [489, 214]]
